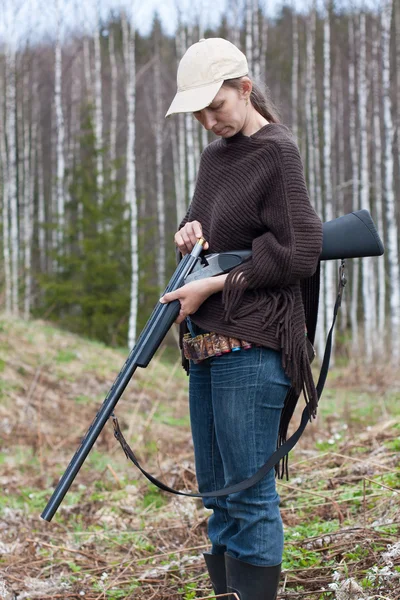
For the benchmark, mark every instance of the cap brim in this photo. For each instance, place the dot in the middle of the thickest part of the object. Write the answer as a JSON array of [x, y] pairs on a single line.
[[194, 99]]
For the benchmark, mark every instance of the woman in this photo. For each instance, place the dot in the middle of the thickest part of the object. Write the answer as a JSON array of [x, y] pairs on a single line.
[[250, 193]]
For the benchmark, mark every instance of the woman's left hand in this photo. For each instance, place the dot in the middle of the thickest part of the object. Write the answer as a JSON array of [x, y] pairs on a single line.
[[191, 296]]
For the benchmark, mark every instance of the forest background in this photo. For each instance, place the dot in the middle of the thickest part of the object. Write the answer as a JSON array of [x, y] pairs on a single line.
[[94, 181]]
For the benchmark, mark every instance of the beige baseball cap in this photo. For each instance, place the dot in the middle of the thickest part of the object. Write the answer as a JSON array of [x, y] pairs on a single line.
[[201, 72]]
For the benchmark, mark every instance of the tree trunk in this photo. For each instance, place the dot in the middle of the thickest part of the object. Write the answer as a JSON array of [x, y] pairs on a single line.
[[87, 69], [5, 208], [114, 107], [60, 137], [190, 146], [27, 211], [98, 115], [321, 330], [158, 133], [249, 35], [397, 46], [340, 160], [377, 87], [328, 213], [263, 49], [355, 180], [367, 291], [12, 172], [392, 230], [41, 206], [295, 75], [181, 201], [130, 189], [256, 38], [233, 9]]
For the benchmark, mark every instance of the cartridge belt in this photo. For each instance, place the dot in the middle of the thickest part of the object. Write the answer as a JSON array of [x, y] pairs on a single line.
[[206, 345]]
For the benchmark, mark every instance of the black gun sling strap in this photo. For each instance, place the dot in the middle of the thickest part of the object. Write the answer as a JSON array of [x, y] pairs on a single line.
[[278, 454]]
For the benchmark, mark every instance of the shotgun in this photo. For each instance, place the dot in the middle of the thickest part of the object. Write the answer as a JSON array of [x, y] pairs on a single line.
[[352, 235]]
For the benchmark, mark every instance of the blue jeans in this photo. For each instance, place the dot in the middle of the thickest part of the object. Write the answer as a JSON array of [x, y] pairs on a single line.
[[235, 405]]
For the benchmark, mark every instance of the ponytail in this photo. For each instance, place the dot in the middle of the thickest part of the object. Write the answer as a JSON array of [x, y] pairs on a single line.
[[259, 97]]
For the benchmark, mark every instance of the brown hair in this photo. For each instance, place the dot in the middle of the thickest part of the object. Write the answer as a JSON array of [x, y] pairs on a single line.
[[259, 97]]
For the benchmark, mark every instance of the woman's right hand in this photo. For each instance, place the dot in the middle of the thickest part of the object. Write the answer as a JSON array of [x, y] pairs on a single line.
[[188, 236]]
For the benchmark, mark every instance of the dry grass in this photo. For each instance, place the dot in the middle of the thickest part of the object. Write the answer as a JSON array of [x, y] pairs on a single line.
[[116, 536]]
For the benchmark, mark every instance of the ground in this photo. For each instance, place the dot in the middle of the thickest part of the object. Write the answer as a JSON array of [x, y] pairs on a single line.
[[117, 536]]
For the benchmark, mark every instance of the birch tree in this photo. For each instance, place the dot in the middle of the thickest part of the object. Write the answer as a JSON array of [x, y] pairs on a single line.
[[355, 181], [295, 74], [256, 37], [10, 59], [190, 150], [376, 87], [28, 157], [98, 112], [329, 288], [60, 133], [178, 130], [41, 216], [5, 204], [249, 34], [315, 178], [192, 131], [397, 46], [114, 105], [340, 155], [130, 189], [234, 11], [364, 191], [392, 230], [263, 46], [158, 135], [199, 128], [86, 60]]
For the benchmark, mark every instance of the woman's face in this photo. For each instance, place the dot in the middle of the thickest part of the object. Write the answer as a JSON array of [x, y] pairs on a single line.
[[226, 114]]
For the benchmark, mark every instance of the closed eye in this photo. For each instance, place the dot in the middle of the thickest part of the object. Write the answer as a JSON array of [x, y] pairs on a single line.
[[197, 112]]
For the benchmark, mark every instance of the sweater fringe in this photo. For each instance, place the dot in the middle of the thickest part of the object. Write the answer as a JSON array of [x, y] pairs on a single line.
[[277, 311]]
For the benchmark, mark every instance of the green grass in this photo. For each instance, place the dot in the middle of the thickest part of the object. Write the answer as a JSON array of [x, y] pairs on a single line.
[[82, 399], [154, 498], [32, 500], [165, 416], [65, 356], [393, 445]]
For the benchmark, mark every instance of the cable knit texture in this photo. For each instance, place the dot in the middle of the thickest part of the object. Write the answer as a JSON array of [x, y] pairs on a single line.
[[251, 193]]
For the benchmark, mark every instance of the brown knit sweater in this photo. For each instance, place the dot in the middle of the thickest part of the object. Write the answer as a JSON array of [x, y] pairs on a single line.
[[251, 193]]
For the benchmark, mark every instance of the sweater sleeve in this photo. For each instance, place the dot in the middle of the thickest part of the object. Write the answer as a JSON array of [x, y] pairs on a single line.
[[289, 248]]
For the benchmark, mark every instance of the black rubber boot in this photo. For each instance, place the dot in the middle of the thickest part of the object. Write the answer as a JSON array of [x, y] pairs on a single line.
[[216, 568], [251, 582]]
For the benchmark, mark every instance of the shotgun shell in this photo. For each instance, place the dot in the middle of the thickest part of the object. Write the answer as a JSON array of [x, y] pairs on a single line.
[[203, 347], [245, 345], [215, 343], [224, 343], [208, 345], [234, 344]]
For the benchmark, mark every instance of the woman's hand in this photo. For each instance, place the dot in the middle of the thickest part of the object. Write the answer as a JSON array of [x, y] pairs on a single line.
[[188, 236], [191, 296]]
